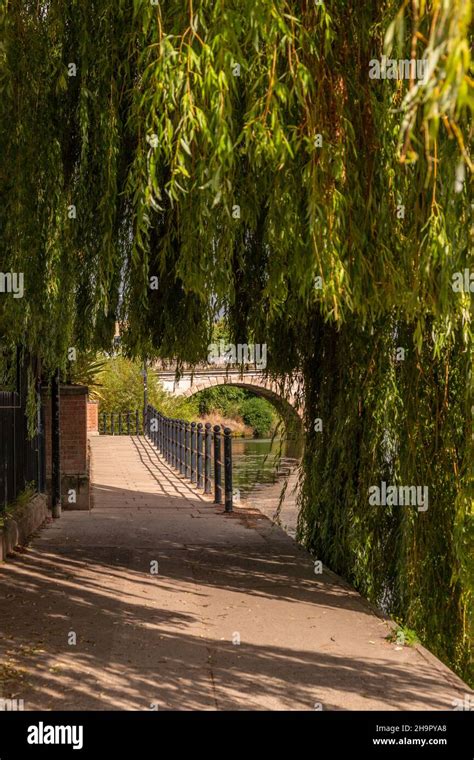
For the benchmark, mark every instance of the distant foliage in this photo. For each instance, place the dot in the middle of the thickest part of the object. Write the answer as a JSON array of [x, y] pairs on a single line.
[[256, 413], [121, 386], [226, 399], [234, 402]]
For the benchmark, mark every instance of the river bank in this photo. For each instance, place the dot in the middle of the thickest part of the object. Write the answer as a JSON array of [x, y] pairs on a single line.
[[265, 475], [278, 501], [235, 424]]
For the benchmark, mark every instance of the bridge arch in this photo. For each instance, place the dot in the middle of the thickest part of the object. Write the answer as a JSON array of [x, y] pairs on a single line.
[[286, 400]]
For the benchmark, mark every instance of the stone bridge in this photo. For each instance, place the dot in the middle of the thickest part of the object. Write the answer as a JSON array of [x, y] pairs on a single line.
[[287, 397]]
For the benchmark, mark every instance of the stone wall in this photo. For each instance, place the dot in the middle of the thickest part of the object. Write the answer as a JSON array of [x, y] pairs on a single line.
[[21, 523]]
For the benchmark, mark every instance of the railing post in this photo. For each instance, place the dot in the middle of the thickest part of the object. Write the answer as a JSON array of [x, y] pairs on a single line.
[[207, 458], [193, 452], [137, 423], [173, 443], [170, 441], [168, 427], [128, 422], [228, 469], [120, 423], [187, 451], [104, 423], [56, 444], [199, 455], [145, 398], [181, 447], [217, 465], [112, 423], [178, 445]]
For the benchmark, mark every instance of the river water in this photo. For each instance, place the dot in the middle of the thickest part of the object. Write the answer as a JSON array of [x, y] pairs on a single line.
[[263, 470]]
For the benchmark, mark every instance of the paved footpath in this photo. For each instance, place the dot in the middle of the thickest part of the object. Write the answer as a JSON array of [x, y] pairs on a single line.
[[170, 639]]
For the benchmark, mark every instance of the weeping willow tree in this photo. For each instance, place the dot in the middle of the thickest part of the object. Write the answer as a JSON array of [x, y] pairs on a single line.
[[165, 162]]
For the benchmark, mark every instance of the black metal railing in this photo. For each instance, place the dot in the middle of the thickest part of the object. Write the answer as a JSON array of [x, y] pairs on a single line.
[[195, 450], [22, 459], [121, 423]]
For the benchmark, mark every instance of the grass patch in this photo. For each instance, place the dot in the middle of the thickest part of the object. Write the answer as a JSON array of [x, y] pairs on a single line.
[[16, 507], [403, 636]]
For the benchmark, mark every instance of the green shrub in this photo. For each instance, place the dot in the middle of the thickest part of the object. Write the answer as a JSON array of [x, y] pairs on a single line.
[[120, 389], [121, 386], [225, 399], [257, 413]]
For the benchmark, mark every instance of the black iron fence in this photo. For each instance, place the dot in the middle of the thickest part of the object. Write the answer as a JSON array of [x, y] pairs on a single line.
[[22, 459], [121, 423], [201, 453]]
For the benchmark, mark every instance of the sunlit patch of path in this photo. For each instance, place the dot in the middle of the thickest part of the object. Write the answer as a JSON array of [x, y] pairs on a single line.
[[172, 639]]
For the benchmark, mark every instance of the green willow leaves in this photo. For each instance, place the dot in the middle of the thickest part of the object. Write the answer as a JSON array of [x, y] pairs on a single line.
[[236, 150]]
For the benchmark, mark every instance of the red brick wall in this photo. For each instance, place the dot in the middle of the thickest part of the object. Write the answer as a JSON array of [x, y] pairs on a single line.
[[74, 424], [92, 417]]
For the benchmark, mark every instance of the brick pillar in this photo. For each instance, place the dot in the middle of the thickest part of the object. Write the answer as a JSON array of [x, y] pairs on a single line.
[[93, 417], [74, 445]]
